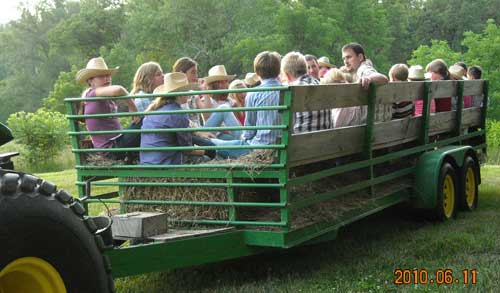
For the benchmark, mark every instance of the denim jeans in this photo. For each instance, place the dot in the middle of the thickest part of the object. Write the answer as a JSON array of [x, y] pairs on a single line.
[[216, 119], [231, 153]]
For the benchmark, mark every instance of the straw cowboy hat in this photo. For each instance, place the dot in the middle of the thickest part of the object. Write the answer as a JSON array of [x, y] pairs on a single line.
[[175, 82], [457, 72], [217, 73], [324, 61], [416, 72], [251, 78], [95, 67]]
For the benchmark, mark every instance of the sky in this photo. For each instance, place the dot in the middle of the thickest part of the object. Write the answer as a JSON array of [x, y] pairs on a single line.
[[9, 11]]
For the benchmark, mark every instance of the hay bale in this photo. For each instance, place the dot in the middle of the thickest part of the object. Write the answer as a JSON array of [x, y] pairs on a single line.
[[194, 193]]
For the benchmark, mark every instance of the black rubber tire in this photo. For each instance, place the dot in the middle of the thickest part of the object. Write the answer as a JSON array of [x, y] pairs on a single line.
[[36, 222], [439, 211], [469, 163]]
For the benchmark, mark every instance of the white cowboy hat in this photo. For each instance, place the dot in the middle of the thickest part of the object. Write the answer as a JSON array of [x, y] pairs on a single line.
[[416, 72], [217, 73], [324, 61], [95, 67], [175, 82], [251, 78]]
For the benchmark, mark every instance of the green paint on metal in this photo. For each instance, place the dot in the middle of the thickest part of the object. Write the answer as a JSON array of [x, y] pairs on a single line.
[[427, 173], [181, 253], [193, 203]]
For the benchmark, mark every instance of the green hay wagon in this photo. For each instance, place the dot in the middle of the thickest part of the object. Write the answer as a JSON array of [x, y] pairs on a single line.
[[313, 184]]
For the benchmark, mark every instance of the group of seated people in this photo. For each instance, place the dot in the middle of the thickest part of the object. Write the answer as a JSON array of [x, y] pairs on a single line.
[[270, 70]]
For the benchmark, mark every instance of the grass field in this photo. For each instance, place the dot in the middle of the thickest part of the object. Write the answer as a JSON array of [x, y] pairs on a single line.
[[362, 258]]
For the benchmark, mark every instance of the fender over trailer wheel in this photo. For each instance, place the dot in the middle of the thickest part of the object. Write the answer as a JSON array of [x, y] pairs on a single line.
[[47, 245], [469, 182], [447, 193]]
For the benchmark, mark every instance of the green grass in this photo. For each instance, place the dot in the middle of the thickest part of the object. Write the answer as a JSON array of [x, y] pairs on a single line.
[[64, 160], [362, 258]]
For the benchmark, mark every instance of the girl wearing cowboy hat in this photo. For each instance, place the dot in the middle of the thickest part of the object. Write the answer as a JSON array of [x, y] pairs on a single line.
[[97, 76], [173, 82]]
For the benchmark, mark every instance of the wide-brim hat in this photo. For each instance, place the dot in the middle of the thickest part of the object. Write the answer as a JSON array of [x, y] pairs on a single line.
[[416, 72], [175, 82], [218, 73], [457, 72], [95, 67], [251, 78], [324, 61]]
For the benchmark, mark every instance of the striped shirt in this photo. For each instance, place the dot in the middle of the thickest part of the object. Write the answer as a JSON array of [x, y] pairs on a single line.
[[260, 118], [311, 120], [402, 110], [142, 103]]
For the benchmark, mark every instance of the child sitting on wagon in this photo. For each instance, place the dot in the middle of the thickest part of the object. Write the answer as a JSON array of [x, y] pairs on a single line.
[[173, 82]]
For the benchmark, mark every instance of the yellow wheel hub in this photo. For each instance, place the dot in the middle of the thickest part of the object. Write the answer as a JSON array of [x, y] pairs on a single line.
[[470, 187], [448, 196], [30, 274]]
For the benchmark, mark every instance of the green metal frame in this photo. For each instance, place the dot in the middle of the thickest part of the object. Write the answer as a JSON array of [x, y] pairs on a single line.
[[245, 239]]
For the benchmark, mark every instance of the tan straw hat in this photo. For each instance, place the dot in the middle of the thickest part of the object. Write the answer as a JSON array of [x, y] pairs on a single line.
[[175, 82], [457, 72], [217, 73], [251, 78], [416, 72], [324, 61], [95, 67]]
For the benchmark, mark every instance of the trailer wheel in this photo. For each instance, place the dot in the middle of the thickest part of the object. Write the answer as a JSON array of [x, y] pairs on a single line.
[[46, 244], [447, 193], [469, 184]]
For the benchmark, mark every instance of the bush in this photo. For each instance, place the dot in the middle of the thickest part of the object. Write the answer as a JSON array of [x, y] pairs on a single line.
[[493, 141], [43, 133]]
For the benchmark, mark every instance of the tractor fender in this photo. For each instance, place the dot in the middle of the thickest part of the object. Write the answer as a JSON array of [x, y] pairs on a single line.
[[427, 172]]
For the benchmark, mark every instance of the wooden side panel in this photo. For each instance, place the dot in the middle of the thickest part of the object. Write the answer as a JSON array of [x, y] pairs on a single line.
[[327, 144], [311, 98]]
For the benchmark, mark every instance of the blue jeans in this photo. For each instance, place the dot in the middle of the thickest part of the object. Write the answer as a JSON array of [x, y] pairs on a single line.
[[231, 153], [216, 119]]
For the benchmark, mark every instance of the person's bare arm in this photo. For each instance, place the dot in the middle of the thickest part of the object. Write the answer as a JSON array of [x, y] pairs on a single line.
[[111, 91], [133, 108], [376, 78]]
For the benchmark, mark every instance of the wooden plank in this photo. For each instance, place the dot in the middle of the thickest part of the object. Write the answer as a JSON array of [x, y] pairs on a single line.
[[395, 92], [312, 98], [443, 88], [332, 143], [320, 145], [473, 87]]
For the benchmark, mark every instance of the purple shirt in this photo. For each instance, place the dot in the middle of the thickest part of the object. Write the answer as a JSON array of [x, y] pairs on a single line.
[[98, 124], [166, 139]]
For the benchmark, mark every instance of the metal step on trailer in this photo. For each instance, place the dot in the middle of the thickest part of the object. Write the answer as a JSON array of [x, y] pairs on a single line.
[[176, 234]]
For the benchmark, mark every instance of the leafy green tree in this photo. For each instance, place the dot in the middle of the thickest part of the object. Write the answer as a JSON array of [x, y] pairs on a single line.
[[424, 54], [483, 49], [64, 87]]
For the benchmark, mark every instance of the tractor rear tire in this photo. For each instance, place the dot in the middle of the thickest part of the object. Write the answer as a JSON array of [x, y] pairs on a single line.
[[43, 230]]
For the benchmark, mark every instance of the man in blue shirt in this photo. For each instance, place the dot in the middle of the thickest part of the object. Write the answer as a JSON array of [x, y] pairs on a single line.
[[267, 67]]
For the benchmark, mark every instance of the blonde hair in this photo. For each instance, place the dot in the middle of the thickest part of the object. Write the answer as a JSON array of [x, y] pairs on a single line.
[[236, 84], [160, 102], [335, 75], [144, 77], [294, 63], [398, 72]]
